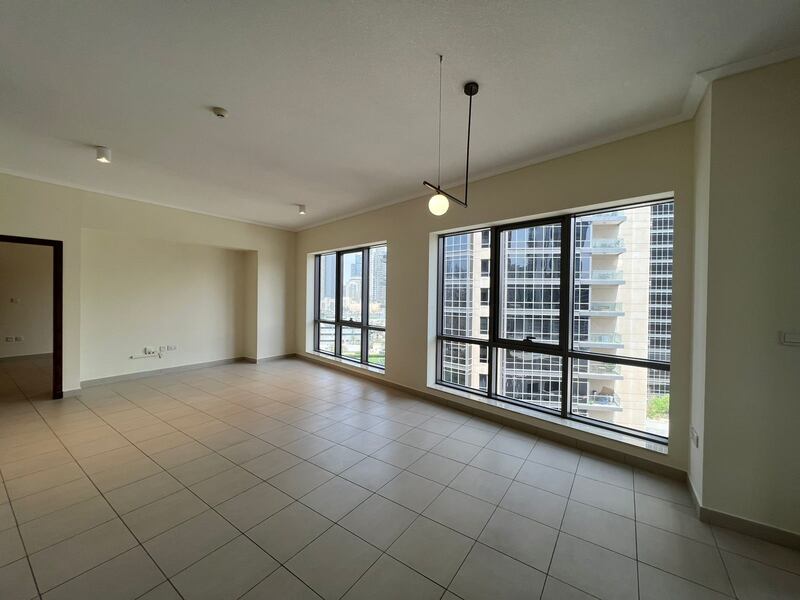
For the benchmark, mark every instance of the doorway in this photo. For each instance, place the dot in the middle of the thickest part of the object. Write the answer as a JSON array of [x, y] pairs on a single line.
[[11, 298]]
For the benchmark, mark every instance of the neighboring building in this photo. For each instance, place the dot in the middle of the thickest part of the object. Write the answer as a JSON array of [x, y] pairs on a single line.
[[622, 305]]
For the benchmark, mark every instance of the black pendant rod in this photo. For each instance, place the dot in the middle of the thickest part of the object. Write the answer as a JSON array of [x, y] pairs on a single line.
[[470, 89]]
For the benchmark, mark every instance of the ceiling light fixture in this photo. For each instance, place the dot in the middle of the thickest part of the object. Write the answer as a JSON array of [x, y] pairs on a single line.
[[219, 112], [103, 154], [440, 201], [301, 208]]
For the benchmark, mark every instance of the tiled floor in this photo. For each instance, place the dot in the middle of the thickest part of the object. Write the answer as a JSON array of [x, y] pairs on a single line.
[[288, 480]]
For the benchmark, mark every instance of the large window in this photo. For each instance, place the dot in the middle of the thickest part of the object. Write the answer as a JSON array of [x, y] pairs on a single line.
[[570, 315], [350, 305]]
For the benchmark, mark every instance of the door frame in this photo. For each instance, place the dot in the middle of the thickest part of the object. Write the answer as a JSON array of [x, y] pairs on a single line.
[[58, 303]]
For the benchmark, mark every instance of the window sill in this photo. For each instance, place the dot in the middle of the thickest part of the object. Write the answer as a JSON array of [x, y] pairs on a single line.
[[347, 363], [657, 447]]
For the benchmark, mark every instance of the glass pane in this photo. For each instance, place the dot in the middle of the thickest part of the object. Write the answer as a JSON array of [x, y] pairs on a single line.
[[327, 338], [530, 377], [633, 397], [466, 273], [351, 343], [530, 285], [377, 348], [377, 286], [462, 365], [327, 287], [623, 282], [351, 286]]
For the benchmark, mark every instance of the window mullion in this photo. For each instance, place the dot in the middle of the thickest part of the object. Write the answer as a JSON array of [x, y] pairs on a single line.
[[494, 310], [565, 312]]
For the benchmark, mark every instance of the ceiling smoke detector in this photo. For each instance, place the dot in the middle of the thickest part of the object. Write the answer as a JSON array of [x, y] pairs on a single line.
[[219, 111]]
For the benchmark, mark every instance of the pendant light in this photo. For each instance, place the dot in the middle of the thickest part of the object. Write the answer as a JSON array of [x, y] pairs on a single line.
[[439, 203]]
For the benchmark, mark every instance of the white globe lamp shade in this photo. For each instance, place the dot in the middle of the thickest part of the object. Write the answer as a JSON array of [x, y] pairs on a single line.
[[438, 205]]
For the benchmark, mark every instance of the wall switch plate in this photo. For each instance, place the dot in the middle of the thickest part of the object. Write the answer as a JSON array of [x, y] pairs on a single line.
[[162, 348], [694, 437], [149, 349], [171, 347], [19, 338], [9, 338]]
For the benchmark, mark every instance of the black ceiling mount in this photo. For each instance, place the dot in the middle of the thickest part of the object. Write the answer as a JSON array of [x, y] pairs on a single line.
[[470, 89]]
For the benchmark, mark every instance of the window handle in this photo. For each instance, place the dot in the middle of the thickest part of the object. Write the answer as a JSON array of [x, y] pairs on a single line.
[[530, 338]]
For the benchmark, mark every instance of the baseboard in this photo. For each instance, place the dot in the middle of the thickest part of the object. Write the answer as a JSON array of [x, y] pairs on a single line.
[[157, 372], [46, 355], [268, 359], [478, 410], [71, 393], [751, 528]]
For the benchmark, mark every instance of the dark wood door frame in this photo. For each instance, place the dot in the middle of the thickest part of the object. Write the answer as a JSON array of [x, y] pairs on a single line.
[[58, 303]]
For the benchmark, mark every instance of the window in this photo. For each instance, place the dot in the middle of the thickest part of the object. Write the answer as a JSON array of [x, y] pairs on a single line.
[[350, 305], [576, 319]]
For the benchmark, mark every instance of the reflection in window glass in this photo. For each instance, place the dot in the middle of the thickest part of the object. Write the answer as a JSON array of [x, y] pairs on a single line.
[[530, 284], [327, 287], [351, 343], [622, 395], [464, 257], [377, 348], [462, 366], [530, 377], [351, 286], [327, 338], [377, 286]]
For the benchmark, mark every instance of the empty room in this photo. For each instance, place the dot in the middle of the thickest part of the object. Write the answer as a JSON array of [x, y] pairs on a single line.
[[419, 300]]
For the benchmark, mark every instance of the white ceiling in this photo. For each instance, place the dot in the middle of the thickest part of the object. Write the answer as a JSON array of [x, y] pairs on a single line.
[[333, 104]]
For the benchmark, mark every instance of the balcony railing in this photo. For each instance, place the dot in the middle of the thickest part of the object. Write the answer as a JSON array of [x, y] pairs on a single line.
[[602, 277], [597, 402], [602, 309], [603, 246], [598, 370], [607, 218], [601, 340]]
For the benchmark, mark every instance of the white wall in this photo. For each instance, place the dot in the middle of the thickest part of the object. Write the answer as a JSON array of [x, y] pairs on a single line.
[[752, 386], [26, 275], [138, 292], [36, 209], [656, 162], [702, 175]]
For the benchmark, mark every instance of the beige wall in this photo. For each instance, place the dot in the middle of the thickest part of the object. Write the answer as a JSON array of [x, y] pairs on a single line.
[[752, 386], [138, 292], [660, 161], [702, 174], [36, 209], [26, 276]]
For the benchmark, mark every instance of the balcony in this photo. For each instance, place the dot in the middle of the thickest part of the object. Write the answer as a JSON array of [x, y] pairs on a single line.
[[604, 246], [602, 309], [602, 277], [606, 218], [600, 340], [598, 370], [597, 402]]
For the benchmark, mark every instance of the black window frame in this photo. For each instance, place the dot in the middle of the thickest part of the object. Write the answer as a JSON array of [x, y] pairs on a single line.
[[338, 322], [566, 315]]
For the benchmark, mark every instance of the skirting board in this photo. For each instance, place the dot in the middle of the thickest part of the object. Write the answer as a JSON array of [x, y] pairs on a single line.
[[47, 355], [171, 370], [746, 526]]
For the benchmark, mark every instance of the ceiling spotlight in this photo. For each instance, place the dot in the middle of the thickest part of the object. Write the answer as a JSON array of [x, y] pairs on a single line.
[[103, 154], [440, 201], [301, 208], [219, 111]]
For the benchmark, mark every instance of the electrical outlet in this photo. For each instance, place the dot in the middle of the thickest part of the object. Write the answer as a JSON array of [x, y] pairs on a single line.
[[694, 437], [149, 349], [162, 348], [9, 338], [19, 338], [171, 347]]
